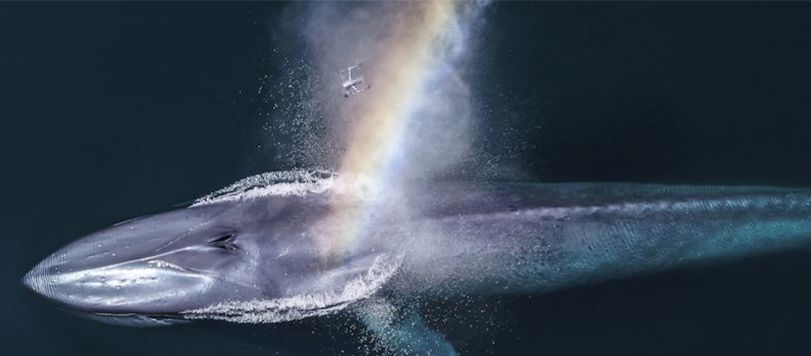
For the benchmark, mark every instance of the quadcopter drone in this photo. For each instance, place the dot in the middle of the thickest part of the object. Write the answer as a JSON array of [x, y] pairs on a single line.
[[353, 84]]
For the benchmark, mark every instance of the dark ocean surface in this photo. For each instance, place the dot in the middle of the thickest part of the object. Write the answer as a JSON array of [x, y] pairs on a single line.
[[113, 110]]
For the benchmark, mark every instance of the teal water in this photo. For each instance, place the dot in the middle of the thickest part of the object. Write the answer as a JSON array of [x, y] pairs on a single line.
[[112, 110]]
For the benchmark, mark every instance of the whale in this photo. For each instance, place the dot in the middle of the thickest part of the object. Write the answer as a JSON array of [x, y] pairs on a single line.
[[263, 250]]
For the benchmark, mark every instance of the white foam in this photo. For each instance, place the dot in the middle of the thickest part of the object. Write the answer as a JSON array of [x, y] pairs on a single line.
[[282, 183], [259, 311], [296, 182]]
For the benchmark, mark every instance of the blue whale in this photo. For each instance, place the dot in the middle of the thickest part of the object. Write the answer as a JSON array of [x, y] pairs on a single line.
[[253, 252]]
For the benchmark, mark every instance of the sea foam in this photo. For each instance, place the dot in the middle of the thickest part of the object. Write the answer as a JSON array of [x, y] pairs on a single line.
[[264, 311]]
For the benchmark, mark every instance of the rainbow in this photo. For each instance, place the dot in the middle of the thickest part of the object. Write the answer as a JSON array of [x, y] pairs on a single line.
[[419, 38]]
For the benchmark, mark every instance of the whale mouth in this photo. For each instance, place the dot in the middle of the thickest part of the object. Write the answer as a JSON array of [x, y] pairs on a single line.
[[265, 311]]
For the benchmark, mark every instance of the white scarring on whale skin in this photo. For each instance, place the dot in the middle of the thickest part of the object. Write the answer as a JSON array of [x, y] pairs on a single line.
[[302, 306]]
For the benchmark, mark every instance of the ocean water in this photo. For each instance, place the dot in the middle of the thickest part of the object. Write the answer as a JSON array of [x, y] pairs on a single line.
[[113, 110]]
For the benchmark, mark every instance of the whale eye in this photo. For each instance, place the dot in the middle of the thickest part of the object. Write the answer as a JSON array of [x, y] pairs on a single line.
[[225, 242]]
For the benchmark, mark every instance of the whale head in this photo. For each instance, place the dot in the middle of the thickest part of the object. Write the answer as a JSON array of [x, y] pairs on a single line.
[[254, 260]]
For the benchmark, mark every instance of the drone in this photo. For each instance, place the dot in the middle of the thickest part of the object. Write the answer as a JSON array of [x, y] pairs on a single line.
[[352, 84]]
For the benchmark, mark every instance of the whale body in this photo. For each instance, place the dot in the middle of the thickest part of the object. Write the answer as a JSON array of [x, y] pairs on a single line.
[[254, 252]]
